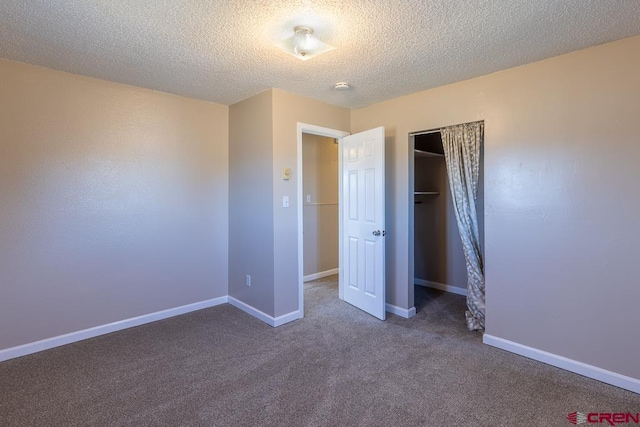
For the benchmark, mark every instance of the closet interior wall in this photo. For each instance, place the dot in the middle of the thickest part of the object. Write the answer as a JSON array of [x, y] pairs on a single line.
[[438, 255]]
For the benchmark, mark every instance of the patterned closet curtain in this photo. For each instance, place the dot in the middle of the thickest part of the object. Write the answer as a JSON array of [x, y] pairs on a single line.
[[462, 155]]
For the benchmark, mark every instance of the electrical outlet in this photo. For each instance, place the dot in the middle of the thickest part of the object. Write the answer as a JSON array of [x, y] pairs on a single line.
[[248, 280]]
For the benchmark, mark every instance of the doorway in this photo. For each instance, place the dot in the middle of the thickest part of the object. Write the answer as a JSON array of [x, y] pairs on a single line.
[[436, 255], [320, 206], [361, 217], [318, 200]]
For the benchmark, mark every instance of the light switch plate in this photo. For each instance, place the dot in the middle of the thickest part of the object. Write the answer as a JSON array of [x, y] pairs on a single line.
[[286, 174], [285, 202]]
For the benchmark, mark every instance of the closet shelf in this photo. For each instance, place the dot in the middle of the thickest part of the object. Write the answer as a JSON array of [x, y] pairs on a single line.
[[426, 193], [421, 153]]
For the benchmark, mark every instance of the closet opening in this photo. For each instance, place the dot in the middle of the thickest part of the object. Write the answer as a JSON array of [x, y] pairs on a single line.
[[436, 252]]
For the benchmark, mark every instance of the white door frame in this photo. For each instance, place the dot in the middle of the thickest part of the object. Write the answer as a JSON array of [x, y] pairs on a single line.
[[338, 135]]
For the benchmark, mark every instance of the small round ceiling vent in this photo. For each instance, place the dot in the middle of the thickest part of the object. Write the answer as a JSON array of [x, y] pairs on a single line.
[[342, 86]]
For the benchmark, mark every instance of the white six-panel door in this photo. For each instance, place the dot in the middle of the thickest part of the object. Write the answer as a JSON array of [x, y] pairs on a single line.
[[362, 212]]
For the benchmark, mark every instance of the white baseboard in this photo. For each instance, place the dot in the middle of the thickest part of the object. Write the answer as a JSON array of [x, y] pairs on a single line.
[[269, 320], [402, 312], [286, 318], [34, 347], [320, 275], [590, 371], [440, 286]]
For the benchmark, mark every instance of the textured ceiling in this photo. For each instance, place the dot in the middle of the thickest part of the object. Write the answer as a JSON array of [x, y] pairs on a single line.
[[223, 51]]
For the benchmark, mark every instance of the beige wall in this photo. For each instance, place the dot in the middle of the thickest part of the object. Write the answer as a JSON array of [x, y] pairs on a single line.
[[561, 198], [320, 183], [251, 201], [288, 110], [113, 202], [263, 235]]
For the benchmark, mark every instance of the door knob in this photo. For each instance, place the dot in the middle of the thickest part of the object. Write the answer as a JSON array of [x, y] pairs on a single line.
[[376, 233]]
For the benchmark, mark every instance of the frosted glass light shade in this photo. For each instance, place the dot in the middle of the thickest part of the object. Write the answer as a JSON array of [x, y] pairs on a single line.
[[303, 44]]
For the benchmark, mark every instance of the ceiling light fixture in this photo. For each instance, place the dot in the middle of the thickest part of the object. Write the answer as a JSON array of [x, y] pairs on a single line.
[[303, 44]]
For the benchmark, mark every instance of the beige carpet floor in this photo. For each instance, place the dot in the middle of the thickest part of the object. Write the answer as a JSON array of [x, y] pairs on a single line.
[[336, 367]]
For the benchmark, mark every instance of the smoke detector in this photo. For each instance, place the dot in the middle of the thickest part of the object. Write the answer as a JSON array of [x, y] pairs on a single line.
[[342, 86]]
